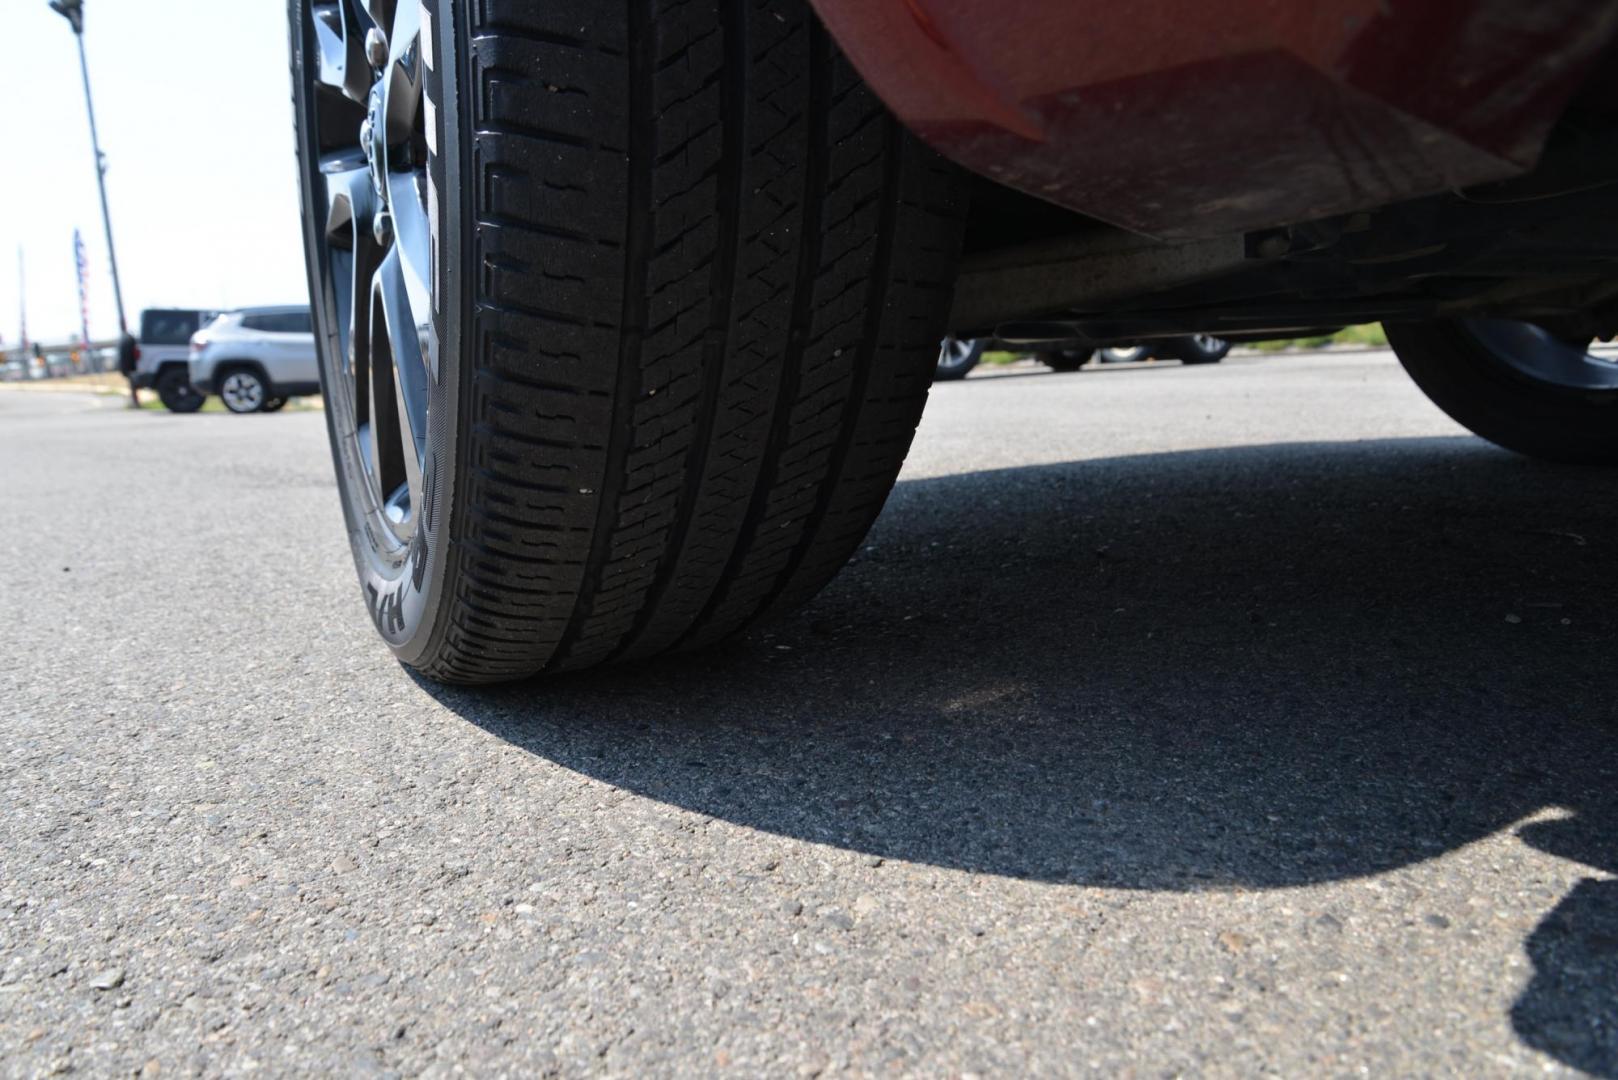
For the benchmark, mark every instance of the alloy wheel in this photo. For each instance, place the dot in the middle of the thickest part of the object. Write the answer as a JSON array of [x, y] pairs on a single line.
[[242, 392], [376, 246], [1543, 356]]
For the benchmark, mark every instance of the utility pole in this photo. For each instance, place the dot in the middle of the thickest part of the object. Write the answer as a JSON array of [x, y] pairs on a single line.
[[73, 12]]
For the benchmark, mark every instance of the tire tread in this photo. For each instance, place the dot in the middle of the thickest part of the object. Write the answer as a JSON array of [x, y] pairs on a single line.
[[706, 193]]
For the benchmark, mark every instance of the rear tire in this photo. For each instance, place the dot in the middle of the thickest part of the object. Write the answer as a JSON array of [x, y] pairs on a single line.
[[175, 391], [1198, 349], [1482, 391], [694, 277], [1064, 359]]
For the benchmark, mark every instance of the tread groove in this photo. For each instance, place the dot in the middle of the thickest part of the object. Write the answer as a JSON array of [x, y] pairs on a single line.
[[716, 346], [632, 321], [814, 184], [875, 305]]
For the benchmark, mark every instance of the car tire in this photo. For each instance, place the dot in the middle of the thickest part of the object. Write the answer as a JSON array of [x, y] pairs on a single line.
[[686, 283], [1494, 378], [1064, 359], [957, 357], [175, 391], [242, 390], [1124, 354], [274, 404], [1197, 349]]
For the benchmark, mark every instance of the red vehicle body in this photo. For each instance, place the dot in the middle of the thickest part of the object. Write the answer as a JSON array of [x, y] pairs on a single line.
[[1185, 118]]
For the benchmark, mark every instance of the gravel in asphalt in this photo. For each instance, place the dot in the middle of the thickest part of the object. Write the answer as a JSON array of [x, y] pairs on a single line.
[[1172, 720]]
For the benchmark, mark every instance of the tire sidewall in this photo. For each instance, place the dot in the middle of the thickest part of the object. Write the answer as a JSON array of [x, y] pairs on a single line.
[[1192, 352], [1484, 395], [1065, 361], [401, 585]]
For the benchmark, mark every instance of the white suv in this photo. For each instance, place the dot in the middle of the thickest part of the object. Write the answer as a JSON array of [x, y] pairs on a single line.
[[256, 358]]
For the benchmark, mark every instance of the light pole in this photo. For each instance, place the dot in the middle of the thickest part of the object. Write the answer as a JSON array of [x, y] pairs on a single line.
[[73, 12]]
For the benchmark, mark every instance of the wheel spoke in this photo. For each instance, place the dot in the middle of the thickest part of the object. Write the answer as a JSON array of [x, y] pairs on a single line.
[[350, 206], [401, 86], [396, 398], [350, 198], [406, 28], [385, 449], [341, 44], [410, 373], [381, 12], [412, 239]]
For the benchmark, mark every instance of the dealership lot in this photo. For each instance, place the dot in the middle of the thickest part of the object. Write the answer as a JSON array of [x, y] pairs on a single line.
[[1199, 720]]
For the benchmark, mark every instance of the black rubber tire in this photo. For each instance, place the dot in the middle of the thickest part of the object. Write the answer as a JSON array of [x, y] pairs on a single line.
[[946, 372], [699, 276], [1188, 350], [175, 391], [1064, 359], [274, 404], [1491, 400]]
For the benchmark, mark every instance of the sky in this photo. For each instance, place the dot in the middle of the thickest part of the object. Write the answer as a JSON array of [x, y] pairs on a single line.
[[193, 107]]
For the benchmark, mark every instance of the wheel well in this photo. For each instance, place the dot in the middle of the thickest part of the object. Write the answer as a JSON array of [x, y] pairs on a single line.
[[170, 365]]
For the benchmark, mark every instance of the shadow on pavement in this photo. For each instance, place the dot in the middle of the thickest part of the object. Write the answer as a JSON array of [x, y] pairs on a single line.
[[1251, 667], [1570, 1007]]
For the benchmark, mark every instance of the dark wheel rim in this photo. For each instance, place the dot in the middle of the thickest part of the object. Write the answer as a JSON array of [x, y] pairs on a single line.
[[376, 247], [955, 354], [1537, 354], [178, 394]]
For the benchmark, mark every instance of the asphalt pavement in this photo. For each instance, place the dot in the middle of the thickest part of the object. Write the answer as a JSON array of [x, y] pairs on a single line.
[[1206, 721]]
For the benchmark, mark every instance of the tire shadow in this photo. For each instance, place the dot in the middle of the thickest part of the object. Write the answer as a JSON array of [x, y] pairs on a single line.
[[1254, 667]]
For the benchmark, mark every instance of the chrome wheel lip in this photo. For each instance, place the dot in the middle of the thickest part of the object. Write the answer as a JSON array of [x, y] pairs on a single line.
[[1535, 353], [374, 244]]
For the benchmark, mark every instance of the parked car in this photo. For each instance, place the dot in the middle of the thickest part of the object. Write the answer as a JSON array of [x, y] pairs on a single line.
[[161, 352], [1193, 348], [627, 313], [958, 356], [256, 358]]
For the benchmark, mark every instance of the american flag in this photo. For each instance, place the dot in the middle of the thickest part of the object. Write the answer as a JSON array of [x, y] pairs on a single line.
[[84, 278]]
